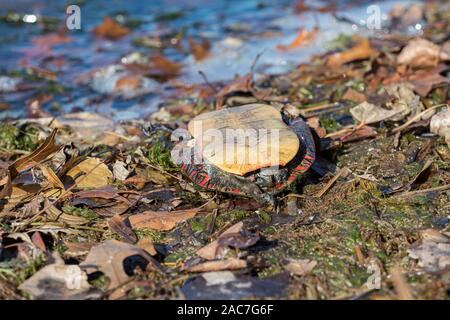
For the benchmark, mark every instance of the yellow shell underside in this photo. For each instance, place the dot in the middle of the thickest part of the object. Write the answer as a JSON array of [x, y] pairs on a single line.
[[243, 139]]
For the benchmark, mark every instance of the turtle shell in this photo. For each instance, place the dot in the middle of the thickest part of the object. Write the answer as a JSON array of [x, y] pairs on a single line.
[[243, 139]]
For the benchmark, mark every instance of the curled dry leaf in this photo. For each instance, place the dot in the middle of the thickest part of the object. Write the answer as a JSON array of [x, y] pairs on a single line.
[[420, 53], [210, 251], [440, 124], [109, 258], [303, 37], [120, 170], [423, 82], [369, 113], [47, 148], [433, 252], [161, 220], [118, 225], [110, 29], [59, 282], [362, 50], [199, 50], [241, 84], [220, 265], [90, 173], [300, 267]]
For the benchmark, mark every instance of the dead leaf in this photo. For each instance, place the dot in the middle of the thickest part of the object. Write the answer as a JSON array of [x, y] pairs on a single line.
[[51, 177], [59, 282], [110, 29], [220, 265], [120, 171], [161, 220], [368, 113], [303, 37], [209, 251], [364, 132], [433, 252], [108, 258], [362, 50], [423, 82], [47, 148], [162, 68], [300, 267], [147, 245], [117, 224], [420, 53], [199, 50], [440, 124], [241, 84], [90, 173], [353, 95]]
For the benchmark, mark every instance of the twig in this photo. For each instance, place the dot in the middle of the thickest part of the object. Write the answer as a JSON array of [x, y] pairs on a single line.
[[417, 117], [205, 78], [412, 193], [252, 68], [341, 172]]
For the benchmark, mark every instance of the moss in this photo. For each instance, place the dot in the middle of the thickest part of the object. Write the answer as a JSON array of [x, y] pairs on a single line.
[[80, 212], [331, 125], [14, 138], [180, 255], [154, 235], [160, 156]]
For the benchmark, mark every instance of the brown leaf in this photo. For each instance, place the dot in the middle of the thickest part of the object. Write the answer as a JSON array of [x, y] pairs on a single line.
[[423, 82], [90, 173], [163, 68], [109, 257], [300, 267], [419, 53], [161, 220], [303, 37], [199, 50], [219, 265], [106, 192], [353, 95], [209, 251], [51, 177], [147, 245], [241, 84], [362, 50], [118, 225], [47, 148], [110, 29]]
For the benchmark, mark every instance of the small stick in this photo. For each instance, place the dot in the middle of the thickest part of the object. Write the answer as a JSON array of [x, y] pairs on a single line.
[[416, 118], [411, 193], [203, 75], [341, 172]]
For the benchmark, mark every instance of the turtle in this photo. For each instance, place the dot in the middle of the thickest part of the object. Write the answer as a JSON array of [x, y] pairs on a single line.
[[253, 163]]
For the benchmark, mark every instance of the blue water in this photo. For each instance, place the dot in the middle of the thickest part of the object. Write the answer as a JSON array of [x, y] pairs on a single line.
[[237, 30]]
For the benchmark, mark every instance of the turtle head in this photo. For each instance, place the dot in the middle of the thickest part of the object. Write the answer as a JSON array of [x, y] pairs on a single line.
[[289, 112]]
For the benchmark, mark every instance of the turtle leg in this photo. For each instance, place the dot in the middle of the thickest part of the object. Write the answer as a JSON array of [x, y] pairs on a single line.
[[306, 155], [212, 178]]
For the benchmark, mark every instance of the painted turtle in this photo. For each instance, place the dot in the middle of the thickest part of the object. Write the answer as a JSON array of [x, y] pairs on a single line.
[[261, 150]]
